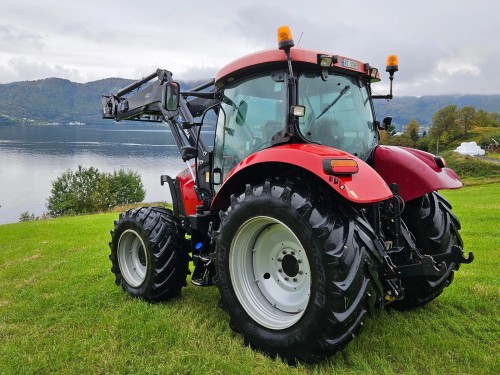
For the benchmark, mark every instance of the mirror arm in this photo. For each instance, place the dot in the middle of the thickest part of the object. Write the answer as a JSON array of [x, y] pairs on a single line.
[[204, 95]]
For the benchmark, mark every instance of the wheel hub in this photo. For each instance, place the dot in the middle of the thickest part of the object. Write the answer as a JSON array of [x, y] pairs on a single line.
[[290, 265], [270, 272], [132, 258]]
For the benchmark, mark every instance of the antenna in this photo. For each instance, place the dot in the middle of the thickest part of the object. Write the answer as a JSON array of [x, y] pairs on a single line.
[[298, 43]]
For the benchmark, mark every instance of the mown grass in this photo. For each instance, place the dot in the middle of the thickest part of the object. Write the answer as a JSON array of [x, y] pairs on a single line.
[[60, 311]]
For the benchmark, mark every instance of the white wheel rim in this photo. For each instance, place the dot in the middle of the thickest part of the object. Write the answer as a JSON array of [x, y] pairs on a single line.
[[270, 272], [132, 258]]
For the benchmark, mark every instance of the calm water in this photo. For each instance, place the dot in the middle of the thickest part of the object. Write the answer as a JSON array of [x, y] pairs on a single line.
[[31, 157]]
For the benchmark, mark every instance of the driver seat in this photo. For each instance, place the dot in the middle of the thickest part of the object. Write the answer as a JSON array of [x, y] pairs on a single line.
[[329, 133]]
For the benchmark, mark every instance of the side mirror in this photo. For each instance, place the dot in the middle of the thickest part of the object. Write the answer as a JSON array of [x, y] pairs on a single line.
[[171, 93], [386, 122]]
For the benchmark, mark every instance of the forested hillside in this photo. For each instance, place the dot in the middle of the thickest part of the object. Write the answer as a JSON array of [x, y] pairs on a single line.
[[404, 109], [56, 100], [63, 101], [59, 100]]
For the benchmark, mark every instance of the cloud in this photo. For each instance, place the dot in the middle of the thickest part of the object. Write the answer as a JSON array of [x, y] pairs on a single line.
[[16, 39], [441, 48], [197, 73], [20, 69], [466, 60], [457, 67]]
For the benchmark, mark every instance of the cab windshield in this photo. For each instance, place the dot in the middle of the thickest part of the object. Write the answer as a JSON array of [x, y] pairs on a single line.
[[338, 113]]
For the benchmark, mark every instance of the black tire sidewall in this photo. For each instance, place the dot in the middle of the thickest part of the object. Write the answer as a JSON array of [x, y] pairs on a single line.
[[315, 311], [167, 257], [129, 223], [432, 225]]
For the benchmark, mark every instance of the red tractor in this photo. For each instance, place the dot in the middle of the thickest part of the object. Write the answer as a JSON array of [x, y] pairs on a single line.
[[297, 214]]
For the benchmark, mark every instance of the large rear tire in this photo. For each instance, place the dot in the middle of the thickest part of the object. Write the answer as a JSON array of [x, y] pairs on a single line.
[[435, 228], [293, 271], [148, 255]]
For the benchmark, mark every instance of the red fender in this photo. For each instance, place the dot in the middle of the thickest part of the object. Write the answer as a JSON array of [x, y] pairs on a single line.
[[415, 171], [188, 195], [365, 186]]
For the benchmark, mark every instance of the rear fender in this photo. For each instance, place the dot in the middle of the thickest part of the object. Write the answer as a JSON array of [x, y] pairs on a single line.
[[363, 187], [415, 171]]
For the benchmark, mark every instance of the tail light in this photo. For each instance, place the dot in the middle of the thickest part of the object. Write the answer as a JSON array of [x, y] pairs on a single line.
[[340, 166]]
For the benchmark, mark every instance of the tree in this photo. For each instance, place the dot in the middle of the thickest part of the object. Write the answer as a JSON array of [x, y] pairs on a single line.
[[496, 118], [423, 143], [466, 117], [409, 137], [444, 125], [485, 119], [88, 190], [387, 135], [126, 187], [411, 133]]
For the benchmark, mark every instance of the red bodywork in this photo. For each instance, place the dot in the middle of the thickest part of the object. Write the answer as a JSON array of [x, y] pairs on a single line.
[[227, 74], [188, 195], [365, 186], [415, 171]]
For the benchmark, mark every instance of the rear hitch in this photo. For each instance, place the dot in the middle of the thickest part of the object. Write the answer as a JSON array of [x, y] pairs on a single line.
[[434, 265], [456, 256], [427, 266]]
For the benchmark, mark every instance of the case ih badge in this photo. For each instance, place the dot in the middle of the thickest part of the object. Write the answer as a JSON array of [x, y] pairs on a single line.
[[297, 214]]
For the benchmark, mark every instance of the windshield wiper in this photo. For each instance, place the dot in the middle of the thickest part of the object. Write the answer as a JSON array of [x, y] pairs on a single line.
[[344, 90]]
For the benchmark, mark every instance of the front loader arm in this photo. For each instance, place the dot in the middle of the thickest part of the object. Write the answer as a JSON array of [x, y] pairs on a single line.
[[142, 101], [142, 105]]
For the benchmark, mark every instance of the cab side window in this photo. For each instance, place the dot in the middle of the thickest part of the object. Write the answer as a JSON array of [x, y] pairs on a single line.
[[252, 111]]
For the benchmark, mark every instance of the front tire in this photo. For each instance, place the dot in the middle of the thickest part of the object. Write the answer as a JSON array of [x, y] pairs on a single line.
[[292, 271], [436, 230], [148, 255]]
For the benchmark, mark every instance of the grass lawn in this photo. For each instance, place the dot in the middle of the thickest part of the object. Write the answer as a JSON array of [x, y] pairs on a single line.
[[60, 311]]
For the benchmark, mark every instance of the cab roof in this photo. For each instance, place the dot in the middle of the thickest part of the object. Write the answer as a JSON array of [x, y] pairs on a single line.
[[232, 70]]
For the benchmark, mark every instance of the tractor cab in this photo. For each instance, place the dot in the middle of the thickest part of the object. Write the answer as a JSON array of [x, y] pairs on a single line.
[[254, 113], [300, 96]]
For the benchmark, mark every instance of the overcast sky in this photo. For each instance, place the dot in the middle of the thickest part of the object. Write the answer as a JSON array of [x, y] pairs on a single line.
[[444, 46]]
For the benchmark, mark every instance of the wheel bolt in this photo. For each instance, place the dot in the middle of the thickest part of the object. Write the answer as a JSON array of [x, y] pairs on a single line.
[[299, 260], [295, 279], [280, 270], [284, 252], [292, 253], [286, 278], [280, 259], [301, 272]]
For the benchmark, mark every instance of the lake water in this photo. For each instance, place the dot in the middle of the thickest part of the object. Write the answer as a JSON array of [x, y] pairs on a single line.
[[31, 157]]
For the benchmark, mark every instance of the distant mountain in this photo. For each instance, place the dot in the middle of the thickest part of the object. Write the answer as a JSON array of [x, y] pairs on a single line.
[[63, 101], [405, 108], [59, 100], [56, 100]]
